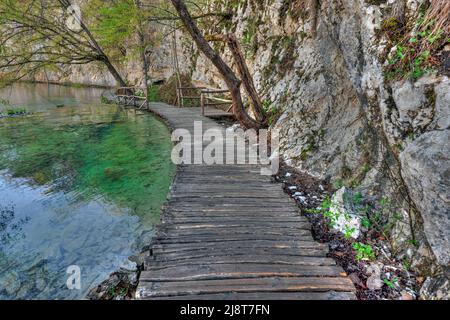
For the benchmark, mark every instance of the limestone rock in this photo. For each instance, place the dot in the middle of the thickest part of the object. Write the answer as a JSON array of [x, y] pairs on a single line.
[[347, 220], [436, 288], [374, 281], [426, 171]]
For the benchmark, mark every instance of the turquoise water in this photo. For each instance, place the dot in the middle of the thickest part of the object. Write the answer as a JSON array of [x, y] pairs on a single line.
[[81, 183]]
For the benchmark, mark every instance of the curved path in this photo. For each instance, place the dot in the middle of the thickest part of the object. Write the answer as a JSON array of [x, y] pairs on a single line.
[[228, 232]]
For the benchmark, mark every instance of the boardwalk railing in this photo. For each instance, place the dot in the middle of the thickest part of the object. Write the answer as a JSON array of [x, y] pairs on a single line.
[[192, 94], [207, 99], [134, 96]]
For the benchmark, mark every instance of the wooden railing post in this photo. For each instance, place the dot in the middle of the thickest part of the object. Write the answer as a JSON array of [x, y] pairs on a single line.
[[202, 102]]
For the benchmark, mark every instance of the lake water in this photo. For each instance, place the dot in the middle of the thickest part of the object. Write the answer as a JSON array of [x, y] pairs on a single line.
[[80, 184]]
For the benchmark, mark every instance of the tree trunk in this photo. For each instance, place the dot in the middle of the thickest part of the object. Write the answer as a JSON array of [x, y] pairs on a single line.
[[101, 54], [142, 45], [144, 64], [113, 71], [313, 8], [247, 79], [230, 78]]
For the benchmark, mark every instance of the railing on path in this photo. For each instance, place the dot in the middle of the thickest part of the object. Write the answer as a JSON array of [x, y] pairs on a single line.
[[134, 96], [207, 99], [187, 93], [211, 100]]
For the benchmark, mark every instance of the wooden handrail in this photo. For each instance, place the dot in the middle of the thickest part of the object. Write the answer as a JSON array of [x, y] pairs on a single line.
[[219, 99], [205, 98], [129, 94], [210, 91], [181, 98], [191, 88]]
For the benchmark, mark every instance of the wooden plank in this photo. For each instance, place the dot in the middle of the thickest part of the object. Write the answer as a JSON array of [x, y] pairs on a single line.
[[178, 230], [265, 261], [161, 255], [219, 212], [238, 271], [250, 223], [303, 284], [328, 295], [192, 238], [300, 244]]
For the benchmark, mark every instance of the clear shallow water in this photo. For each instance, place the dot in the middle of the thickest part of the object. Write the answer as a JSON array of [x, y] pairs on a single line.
[[80, 185]]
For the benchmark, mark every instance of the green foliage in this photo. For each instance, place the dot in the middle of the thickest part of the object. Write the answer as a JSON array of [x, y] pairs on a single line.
[[306, 150], [406, 263], [249, 38], [333, 216], [272, 112], [338, 183], [413, 53], [414, 242], [348, 232], [14, 111], [365, 222], [390, 283], [112, 23], [153, 95], [363, 251]]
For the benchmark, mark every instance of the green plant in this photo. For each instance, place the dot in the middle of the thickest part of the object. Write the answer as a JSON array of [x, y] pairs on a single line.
[[339, 183], [406, 264], [104, 100], [414, 242], [390, 283], [365, 222], [348, 232], [363, 251], [417, 45], [357, 198], [4, 101], [153, 93], [15, 111], [306, 150]]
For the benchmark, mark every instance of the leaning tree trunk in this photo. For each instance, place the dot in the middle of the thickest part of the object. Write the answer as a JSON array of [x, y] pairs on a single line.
[[142, 45], [247, 79], [230, 78], [100, 53]]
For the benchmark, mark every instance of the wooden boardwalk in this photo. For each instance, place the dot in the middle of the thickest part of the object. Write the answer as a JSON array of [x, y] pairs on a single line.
[[227, 232]]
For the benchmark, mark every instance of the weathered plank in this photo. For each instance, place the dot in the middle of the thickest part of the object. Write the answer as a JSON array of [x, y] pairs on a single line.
[[238, 271], [245, 259], [328, 295], [228, 237], [274, 253], [278, 284]]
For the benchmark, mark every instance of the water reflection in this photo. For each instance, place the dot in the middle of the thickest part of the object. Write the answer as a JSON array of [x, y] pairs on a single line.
[[41, 96], [79, 185]]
